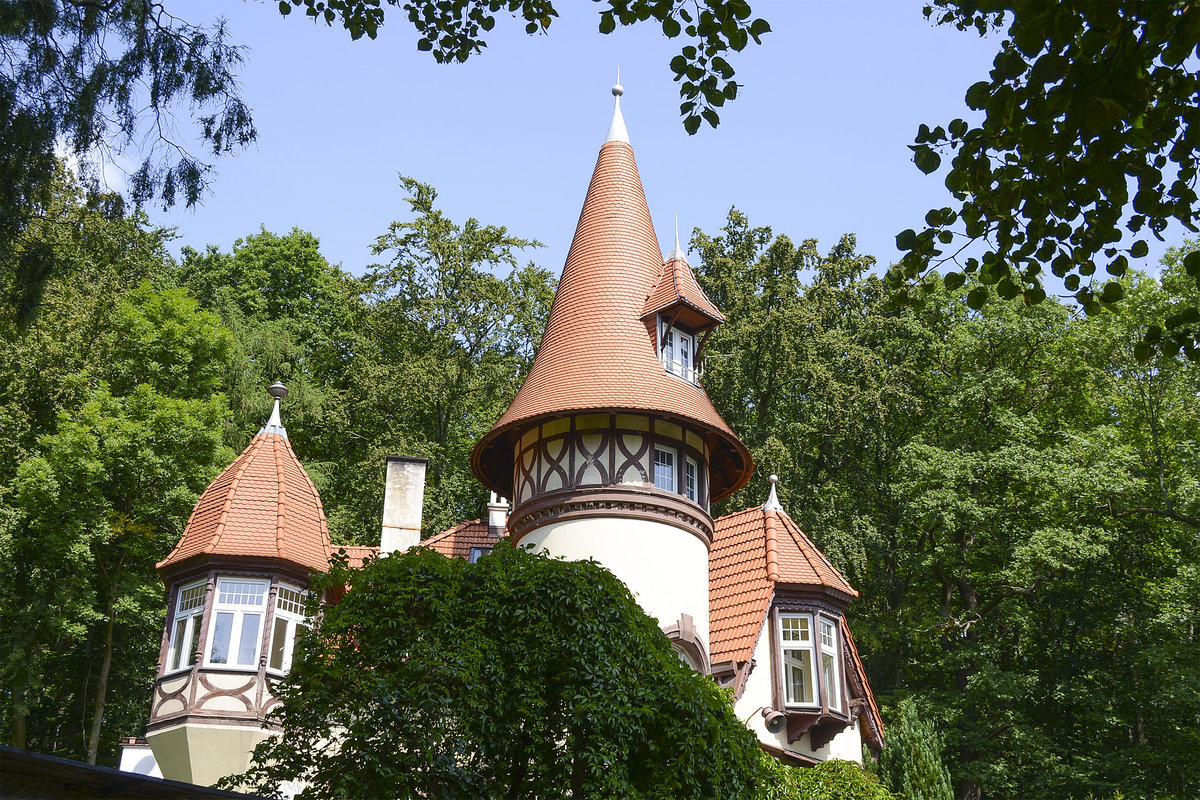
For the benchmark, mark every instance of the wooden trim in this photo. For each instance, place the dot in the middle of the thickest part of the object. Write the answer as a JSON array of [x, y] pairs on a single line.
[[614, 502]]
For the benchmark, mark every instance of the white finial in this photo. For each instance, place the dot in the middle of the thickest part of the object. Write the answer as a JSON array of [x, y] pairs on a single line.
[[616, 129], [274, 424], [678, 251], [772, 503]]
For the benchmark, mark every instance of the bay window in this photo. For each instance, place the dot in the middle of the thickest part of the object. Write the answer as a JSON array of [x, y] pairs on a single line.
[[796, 647], [289, 618], [830, 674], [185, 634], [238, 612]]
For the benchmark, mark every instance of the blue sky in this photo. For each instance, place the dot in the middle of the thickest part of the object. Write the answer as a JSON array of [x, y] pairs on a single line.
[[815, 146]]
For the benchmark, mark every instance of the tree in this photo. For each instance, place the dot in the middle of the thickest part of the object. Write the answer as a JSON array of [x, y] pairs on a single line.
[[1010, 489], [111, 424], [912, 762], [70, 73], [450, 332], [1084, 99], [516, 676]]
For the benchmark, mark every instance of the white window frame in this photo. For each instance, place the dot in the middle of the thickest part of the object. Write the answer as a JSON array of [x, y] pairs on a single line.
[[794, 652], [289, 618], [185, 626], [668, 461], [239, 611], [830, 662], [678, 351], [691, 479]]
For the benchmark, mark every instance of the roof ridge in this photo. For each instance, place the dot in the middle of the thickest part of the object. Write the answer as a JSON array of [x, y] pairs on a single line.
[[462, 526], [241, 462], [281, 508], [772, 547], [312, 487]]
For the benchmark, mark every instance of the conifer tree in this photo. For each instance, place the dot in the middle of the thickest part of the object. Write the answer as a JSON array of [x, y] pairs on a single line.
[[911, 764]]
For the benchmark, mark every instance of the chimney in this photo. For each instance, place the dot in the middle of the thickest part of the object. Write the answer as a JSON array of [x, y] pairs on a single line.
[[403, 497], [497, 516]]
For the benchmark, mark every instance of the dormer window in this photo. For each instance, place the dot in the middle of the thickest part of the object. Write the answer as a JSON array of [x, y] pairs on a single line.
[[677, 350], [796, 645], [804, 641]]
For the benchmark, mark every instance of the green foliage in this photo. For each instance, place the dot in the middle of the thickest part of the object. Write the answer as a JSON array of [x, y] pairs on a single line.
[[451, 327], [517, 676], [1012, 491], [829, 780], [1089, 126], [453, 30], [912, 761], [71, 74], [111, 416]]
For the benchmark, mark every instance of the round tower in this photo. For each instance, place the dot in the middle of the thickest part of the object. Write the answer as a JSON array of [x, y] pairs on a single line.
[[236, 584], [611, 449]]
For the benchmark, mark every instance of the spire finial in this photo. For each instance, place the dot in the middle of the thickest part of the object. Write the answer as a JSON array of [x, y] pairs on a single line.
[[616, 129], [772, 503], [275, 424], [677, 253]]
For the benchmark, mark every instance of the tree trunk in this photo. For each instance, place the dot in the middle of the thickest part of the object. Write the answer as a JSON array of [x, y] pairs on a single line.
[[19, 713], [93, 744]]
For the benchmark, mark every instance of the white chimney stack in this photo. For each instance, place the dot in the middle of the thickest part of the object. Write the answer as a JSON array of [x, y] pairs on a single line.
[[497, 516], [403, 498]]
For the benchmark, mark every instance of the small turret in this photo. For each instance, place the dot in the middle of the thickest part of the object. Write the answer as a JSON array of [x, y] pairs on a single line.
[[236, 585]]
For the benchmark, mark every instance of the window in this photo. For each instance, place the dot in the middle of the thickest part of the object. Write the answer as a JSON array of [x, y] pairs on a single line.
[[690, 481], [185, 635], [237, 622], [477, 553], [829, 664], [796, 645], [664, 470], [289, 616], [678, 351]]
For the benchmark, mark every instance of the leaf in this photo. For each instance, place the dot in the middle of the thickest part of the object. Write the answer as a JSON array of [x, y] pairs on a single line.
[[927, 159], [424, 45], [607, 23], [906, 239], [978, 95], [1139, 249], [691, 124], [977, 297], [954, 280]]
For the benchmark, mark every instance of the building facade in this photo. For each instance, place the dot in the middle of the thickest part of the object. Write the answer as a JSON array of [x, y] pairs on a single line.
[[611, 450]]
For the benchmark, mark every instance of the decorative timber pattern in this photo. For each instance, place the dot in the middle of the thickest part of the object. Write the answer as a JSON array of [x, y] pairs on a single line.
[[603, 464]]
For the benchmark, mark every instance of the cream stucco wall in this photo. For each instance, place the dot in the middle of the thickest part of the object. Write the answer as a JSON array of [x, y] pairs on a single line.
[[758, 694], [203, 754], [665, 567]]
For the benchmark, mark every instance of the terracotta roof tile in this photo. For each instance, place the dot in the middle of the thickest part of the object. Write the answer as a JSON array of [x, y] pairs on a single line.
[[677, 284], [753, 552], [356, 555], [457, 542], [262, 505], [597, 353]]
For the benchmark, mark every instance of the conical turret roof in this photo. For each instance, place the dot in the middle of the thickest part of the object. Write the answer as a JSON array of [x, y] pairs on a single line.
[[263, 506], [597, 352]]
